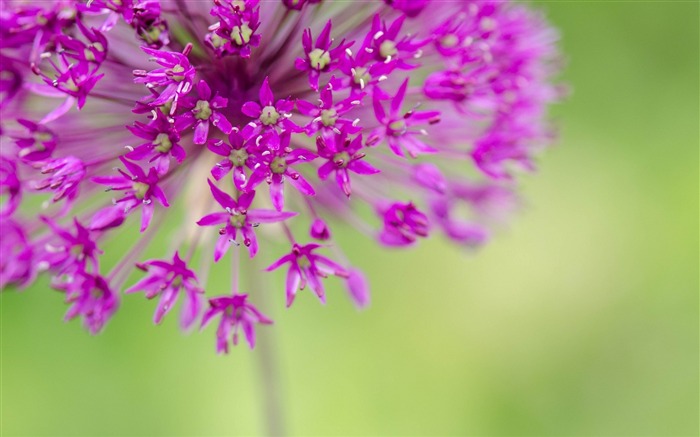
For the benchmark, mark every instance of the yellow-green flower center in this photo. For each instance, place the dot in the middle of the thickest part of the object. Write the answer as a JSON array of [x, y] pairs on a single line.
[[361, 76], [140, 190], [450, 40], [202, 111], [329, 116], [398, 127], [176, 70], [387, 48], [319, 59], [241, 34], [269, 115], [163, 143], [238, 157], [237, 220], [341, 159], [278, 165]]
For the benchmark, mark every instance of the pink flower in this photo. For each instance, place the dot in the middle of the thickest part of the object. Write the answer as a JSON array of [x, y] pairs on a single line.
[[243, 114]]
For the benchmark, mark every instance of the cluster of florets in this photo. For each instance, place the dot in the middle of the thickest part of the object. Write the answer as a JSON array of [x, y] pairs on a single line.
[[263, 123]]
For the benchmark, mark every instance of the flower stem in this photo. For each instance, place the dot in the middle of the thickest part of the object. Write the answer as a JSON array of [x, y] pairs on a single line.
[[266, 352], [271, 396]]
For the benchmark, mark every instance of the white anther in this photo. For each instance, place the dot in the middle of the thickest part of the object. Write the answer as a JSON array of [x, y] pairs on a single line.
[[378, 34]]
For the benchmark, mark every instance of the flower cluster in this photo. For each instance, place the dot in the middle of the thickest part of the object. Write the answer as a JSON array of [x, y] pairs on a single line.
[[265, 123]]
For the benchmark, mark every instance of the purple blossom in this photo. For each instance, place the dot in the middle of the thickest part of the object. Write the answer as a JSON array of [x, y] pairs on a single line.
[[327, 116], [70, 253], [234, 33], [485, 70], [268, 114], [177, 74], [403, 224], [167, 280], [38, 145], [236, 157], [162, 141], [91, 298], [17, 261], [344, 155], [206, 109], [10, 186], [238, 218], [306, 267], [396, 128], [235, 313], [319, 230], [64, 178], [320, 57], [139, 188], [276, 166]]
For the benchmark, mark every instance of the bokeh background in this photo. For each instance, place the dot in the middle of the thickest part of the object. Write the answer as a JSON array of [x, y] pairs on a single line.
[[579, 319]]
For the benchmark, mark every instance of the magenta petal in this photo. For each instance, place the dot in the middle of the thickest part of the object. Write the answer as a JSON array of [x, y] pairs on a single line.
[[216, 218], [251, 109], [325, 170], [201, 132], [146, 215], [222, 245], [221, 169], [362, 167], [268, 216], [292, 285], [302, 185], [277, 194], [266, 96]]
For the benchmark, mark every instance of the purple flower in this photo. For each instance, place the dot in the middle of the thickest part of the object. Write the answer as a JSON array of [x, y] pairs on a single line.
[[236, 157], [40, 143], [10, 186], [327, 116], [167, 280], [204, 109], [70, 253], [306, 267], [260, 91], [397, 127], [276, 166], [235, 313], [319, 230], [177, 74], [403, 224], [320, 57], [64, 178], [17, 261], [162, 141], [343, 155], [139, 188], [234, 33], [91, 298], [268, 114], [238, 218]]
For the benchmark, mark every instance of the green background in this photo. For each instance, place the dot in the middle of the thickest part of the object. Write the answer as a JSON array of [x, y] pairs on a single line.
[[579, 319]]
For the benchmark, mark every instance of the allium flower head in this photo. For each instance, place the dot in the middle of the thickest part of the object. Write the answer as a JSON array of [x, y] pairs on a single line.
[[267, 122]]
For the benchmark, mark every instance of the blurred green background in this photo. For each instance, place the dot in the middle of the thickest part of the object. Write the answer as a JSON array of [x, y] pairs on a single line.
[[580, 319]]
